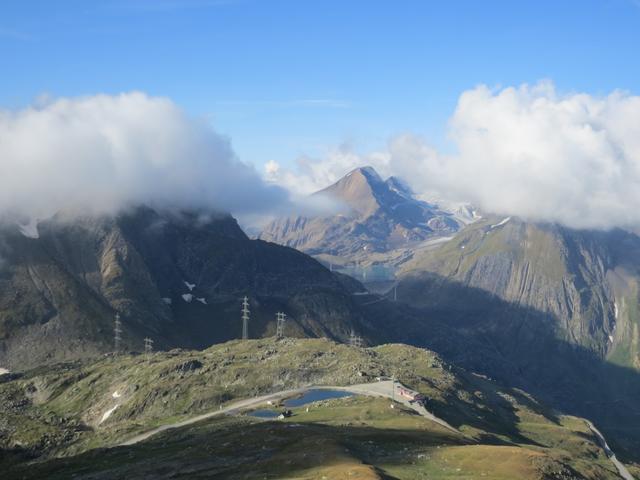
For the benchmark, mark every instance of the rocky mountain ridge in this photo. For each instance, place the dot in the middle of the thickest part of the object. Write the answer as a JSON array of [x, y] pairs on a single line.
[[585, 280], [378, 217], [177, 277]]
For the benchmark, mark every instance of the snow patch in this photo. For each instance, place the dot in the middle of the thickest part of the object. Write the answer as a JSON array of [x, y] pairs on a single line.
[[116, 394], [187, 297], [499, 224], [190, 286], [3, 371], [202, 300], [610, 338], [166, 300], [108, 413], [615, 310], [30, 230]]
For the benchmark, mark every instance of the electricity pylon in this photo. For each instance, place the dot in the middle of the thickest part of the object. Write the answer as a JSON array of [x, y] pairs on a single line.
[[148, 346], [280, 321], [117, 334], [355, 340], [245, 318]]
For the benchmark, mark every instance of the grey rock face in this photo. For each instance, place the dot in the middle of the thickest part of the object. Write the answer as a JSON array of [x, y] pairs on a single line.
[[561, 273], [59, 292], [377, 216]]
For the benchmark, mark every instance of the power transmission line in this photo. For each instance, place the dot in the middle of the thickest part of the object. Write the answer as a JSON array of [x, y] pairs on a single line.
[[148, 346], [117, 334], [280, 321], [355, 340], [245, 318]]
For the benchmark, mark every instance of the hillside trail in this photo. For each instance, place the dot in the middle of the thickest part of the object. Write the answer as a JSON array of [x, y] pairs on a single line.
[[622, 470], [376, 389]]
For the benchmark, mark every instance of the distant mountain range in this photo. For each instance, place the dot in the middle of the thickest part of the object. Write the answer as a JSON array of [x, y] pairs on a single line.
[[585, 283], [379, 221], [547, 308], [537, 306], [175, 277]]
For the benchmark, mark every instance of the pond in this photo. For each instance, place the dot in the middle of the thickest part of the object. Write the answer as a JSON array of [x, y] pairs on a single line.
[[315, 396], [265, 413], [309, 396], [371, 273]]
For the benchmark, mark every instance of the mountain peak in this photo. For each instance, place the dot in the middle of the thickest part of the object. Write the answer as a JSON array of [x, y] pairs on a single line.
[[358, 189], [368, 172]]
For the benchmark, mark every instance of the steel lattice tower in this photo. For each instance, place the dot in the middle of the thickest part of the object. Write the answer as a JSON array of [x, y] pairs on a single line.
[[281, 319], [245, 318], [117, 333], [148, 346]]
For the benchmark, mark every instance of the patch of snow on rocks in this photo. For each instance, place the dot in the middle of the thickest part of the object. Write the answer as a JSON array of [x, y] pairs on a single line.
[[610, 338], [615, 310], [202, 300], [30, 230], [190, 286], [166, 300], [108, 413], [187, 297], [499, 224], [116, 394], [3, 371]]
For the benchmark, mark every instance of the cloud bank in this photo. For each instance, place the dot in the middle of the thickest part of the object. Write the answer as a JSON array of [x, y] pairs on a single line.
[[103, 153], [527, 151]]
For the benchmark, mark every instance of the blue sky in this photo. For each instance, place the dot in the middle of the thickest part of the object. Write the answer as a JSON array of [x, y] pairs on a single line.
[[290, 78]]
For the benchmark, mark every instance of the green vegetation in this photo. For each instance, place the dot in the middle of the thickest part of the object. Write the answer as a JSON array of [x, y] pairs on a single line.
[[626, 350], [504, 433]]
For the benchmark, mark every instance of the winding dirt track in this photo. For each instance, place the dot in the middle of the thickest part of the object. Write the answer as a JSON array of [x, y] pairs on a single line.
[[622, 470], [377, 389]]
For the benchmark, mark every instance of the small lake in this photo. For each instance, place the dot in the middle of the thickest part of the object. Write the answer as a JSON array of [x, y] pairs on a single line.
[[265, 413], [372, 273], [315, 396], [309, 396]]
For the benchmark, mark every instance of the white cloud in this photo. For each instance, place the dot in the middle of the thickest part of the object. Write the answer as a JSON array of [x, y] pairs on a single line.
[[527, 151], [102, 153], [311, 175], [271, 169]]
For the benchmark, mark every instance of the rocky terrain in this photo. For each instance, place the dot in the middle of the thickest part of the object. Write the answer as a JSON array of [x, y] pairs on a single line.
[[176, 277], [377, 222], [56, 417], [548, 309], [584, 282]]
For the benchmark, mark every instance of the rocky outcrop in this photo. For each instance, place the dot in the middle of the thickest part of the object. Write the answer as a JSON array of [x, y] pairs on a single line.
[[580, 281], [374, 216], [175, 277]]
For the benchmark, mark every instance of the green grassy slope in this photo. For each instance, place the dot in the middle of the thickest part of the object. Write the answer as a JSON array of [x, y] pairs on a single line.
[[57, 412]]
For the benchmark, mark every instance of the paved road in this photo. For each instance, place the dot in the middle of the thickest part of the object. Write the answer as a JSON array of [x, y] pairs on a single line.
[[377, 389], [230, 409], [384, 389], [622, 470]]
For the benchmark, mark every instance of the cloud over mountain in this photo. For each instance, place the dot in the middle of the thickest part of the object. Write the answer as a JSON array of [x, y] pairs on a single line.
[[102, 153], [528, 151]]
